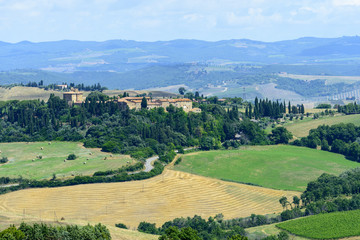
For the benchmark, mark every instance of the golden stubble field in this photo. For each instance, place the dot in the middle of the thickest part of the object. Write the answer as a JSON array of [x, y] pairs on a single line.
[[159, 199]]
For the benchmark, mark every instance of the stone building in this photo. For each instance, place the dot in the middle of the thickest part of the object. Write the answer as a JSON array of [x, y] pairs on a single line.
[[135, 103], [73, 97]]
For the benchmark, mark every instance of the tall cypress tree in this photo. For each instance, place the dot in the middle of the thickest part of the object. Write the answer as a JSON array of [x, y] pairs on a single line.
[[143, 103], [289, 107]]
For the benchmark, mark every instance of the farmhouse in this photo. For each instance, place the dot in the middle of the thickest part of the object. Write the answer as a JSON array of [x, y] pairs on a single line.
[[73, 97], [76, 97], [135, 103]]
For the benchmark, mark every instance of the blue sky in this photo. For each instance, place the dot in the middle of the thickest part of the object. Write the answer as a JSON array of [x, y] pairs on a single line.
[[152, 20]]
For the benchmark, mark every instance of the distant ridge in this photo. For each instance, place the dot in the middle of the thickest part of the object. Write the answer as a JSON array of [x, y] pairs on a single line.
[[124, 55]]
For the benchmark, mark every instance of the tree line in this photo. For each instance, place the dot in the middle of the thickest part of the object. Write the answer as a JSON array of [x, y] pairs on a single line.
[[267, 108], [339, 138], [197, 228], [42, 231]]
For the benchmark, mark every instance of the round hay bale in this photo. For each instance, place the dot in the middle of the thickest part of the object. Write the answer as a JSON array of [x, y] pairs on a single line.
[[110, 155], [41, 148], [84, 162]]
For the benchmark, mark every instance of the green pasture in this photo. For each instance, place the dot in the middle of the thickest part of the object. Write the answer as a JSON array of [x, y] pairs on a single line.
[[278, 166], [23, 160], [325, 226]]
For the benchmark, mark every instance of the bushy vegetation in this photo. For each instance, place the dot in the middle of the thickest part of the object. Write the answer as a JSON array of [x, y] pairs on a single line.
[[329, 186], [4, 160], [213, 228], [323, 106], [45, 232], [121, 225], [339, 138], [351, 108], [325, 226], [71, 156]]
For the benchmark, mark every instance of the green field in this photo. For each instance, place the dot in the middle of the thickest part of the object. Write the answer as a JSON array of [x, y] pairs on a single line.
[[279, 166], [301, 128], [325, 226], [21, 162]]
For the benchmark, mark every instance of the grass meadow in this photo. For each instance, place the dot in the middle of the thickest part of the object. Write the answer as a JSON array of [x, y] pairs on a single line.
[[21, 162], [325, 226], [278, 166]]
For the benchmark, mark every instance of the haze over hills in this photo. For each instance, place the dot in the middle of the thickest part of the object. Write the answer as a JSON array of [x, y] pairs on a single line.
[[216, 65], [119, 55]]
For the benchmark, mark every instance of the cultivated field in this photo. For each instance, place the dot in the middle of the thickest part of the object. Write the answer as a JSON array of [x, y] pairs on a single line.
[[34, 93], [21, 162], [301, 128], [26, 93], [278, 166], [158, 199], [325, 226], [329, 79]]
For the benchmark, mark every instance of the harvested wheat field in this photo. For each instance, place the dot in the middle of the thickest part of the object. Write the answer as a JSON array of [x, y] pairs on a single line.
[[159, 199]]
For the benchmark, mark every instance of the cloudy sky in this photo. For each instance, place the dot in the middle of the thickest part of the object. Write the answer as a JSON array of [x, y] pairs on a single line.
[[152, 20]]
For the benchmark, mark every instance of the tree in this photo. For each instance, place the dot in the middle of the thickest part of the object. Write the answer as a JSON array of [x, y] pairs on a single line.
[[147, 228], [325, 145], [280, 135], [238, 237], [143, 103], [296, 201], [71, 157], [182, 90], [283, 201], [173, 233]]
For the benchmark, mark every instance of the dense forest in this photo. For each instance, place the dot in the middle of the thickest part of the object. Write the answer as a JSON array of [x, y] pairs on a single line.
[[101, 123]]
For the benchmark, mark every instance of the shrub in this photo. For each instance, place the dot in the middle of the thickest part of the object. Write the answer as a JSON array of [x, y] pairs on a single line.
[[178, 161], [121, 225], [71, 156], [147, 228], [4, 160]]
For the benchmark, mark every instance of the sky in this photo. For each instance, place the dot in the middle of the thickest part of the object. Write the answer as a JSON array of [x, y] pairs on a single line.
[[153, 20]]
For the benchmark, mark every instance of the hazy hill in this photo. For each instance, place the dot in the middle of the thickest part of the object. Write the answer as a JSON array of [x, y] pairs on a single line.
[[222, 68], [122, 55]]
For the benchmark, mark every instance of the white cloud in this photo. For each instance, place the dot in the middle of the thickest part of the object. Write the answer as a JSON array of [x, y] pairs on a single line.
[[39, 20], [346, 2]]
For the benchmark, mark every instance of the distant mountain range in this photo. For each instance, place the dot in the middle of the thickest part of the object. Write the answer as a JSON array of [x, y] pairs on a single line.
[[122, 55], [139, 65]]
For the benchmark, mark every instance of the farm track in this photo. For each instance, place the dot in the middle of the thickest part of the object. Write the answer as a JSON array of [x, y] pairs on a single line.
[[159, 199]]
